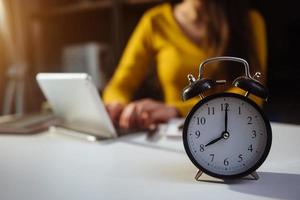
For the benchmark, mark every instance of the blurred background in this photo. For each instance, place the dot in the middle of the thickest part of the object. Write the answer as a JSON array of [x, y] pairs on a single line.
[[89, 35]]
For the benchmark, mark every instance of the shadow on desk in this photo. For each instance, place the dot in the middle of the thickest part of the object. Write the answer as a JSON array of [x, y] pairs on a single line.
[[273, 185]]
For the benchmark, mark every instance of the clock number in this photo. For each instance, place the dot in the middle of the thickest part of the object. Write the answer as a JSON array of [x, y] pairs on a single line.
[[240, 158], [253, 134], [201, 120], [224, 106], [201, 147], [240, 112], [211, 110], [226, 162], [249, 119], [250, 148], [197, 133], [212, 157]]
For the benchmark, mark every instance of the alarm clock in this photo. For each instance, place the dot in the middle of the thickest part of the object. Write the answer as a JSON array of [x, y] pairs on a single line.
[[226, 135]]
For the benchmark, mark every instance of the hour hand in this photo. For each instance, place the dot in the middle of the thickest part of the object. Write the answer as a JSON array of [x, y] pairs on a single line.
[[225, 135], [214, 141]]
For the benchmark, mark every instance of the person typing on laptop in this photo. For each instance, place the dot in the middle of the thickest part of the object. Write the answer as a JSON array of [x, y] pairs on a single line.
[[179, 37]]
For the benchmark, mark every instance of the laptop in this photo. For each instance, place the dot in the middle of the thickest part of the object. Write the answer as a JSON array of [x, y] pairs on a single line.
[[74, 99]]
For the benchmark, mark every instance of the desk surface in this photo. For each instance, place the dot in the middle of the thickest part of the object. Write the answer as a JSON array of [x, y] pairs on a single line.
[[55, 166]]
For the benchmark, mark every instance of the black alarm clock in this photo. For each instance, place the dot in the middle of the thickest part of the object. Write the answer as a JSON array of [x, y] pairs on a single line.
[[226, 135]]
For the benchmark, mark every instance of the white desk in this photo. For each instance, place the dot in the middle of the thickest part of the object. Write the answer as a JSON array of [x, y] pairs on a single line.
[[54, 166]]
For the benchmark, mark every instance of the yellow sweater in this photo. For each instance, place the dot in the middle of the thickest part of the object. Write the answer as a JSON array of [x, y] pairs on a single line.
[[158, 36]]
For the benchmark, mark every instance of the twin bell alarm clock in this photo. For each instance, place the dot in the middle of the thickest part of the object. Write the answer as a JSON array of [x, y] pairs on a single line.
[[226, 135]]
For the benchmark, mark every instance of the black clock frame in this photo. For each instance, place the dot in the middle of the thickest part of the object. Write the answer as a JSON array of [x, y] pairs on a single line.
[[233, 176]]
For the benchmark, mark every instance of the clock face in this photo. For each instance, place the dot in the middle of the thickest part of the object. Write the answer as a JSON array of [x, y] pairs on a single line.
[[227, 135]]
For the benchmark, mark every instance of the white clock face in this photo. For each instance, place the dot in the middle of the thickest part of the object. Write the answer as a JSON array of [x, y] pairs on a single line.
[[227, 136]]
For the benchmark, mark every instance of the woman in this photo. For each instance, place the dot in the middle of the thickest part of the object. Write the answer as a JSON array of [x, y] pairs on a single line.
[[179, 37]]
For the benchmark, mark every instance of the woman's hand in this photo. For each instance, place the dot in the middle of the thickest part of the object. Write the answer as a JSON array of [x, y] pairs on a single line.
[[146, 113], [114, 110]]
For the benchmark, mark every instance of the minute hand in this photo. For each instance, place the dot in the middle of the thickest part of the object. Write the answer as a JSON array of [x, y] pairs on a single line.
[[226, 118]]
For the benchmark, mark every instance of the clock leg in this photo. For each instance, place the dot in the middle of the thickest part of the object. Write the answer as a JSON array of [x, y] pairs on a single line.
[[199, 173], [254, 175]]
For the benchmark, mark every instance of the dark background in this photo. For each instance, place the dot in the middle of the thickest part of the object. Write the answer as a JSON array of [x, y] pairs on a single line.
[[283, 29]]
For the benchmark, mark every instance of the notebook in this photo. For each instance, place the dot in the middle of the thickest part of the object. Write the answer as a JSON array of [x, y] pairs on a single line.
[[75, 100]]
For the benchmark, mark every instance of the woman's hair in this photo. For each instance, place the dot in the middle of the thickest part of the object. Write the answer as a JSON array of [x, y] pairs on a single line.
[[229, 32]]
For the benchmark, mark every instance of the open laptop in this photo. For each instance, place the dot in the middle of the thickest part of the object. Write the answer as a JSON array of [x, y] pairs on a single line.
[[75, 100]]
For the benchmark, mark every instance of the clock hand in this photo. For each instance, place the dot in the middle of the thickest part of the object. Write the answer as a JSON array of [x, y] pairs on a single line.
[[225, 135], [214, 141], [226, 117]]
